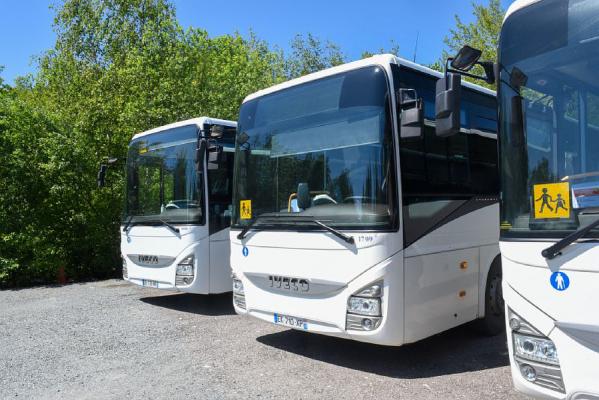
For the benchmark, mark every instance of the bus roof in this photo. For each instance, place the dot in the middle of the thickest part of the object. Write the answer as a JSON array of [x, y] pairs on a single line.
[[518, 5], [381, 59], [193, 121]]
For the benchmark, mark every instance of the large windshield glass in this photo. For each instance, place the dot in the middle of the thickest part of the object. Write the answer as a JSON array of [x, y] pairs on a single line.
[[549, 94], [320, 150], [162, 180]]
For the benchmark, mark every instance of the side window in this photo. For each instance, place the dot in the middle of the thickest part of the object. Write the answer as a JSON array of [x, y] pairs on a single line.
[[438, 175], [220, 186]]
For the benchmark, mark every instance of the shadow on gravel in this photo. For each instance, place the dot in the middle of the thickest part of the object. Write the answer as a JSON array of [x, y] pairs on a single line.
[[213, 305], [456, 351]]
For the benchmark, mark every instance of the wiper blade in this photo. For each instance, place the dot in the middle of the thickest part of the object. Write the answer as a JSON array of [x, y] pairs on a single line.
[[249, 226], [295, 219], [347, 238], [128, 224], [171, 227], [555, 250]]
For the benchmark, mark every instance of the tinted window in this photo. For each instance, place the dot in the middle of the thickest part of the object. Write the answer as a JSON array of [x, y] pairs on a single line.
[[440, 175]]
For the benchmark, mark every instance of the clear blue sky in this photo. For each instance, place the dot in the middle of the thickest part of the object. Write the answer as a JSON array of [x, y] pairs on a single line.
[[355, 25]]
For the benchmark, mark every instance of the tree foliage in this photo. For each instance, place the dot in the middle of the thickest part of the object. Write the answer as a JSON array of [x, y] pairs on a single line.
[[118, 67], [482, 33]]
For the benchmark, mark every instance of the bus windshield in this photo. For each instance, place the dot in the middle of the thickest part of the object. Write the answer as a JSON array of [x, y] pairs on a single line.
[[549, 93], [161, 178], [320, 150]]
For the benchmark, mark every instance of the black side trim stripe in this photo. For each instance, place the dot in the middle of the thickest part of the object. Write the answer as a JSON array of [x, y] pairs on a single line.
[[471, 205]]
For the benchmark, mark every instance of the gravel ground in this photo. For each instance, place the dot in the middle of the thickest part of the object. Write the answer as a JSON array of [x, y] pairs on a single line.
[[112, 339]]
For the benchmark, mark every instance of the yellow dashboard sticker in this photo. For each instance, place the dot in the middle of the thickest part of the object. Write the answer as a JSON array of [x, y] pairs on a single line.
[[245, 209], [552, 200]]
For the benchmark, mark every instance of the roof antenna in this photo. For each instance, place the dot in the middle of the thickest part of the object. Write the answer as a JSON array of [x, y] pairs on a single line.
[[416, 46]]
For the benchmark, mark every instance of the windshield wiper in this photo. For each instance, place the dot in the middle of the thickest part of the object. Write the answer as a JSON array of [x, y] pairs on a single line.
[[555, 250], [349, 239], [249, 226], [128, 224], [171, 227], [295, 219]]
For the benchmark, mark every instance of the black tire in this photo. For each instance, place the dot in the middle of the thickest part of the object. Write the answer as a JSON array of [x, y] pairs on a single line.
[[493, 323]]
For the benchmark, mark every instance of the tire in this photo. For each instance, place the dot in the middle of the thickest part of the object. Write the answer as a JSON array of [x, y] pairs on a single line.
[[493, 323]]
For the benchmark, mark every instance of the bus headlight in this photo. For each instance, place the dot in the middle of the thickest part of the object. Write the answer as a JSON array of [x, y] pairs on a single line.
[[238, 287], [535, 349], [185, 267], [364, 308], [238, 293], [535, 354], [184, 274]]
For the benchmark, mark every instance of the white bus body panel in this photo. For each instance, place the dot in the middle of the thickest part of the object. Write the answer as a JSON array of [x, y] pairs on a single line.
[[441, 291], [569, 318]]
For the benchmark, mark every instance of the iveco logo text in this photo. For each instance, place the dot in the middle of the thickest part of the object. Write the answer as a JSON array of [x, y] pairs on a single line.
[[144, 259], [293, 284]]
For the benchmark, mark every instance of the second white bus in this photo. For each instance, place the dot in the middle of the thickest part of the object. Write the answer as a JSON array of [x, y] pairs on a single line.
[[353, 218]]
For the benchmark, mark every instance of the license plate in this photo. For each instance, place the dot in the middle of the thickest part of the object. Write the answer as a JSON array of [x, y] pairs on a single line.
[[149, 283], [291, 322]]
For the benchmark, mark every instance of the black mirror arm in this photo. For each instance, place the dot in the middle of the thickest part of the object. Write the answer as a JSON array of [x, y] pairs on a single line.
[[469, 75]]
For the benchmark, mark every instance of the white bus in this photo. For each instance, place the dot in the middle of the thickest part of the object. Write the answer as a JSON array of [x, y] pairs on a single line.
[[549, 91], [548, 134], [175, 230], [352, 218]]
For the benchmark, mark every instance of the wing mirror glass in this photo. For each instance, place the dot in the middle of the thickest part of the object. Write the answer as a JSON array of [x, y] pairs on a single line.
[[466, 58], [447, 105], [101, 179], [411, 111]]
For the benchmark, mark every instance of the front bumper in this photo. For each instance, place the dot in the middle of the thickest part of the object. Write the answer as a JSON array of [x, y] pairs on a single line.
[[579, 361], [327, 314]]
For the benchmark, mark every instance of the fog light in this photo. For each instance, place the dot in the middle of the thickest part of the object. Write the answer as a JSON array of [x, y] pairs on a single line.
[[367, 324], [364, 306], [528, 372]]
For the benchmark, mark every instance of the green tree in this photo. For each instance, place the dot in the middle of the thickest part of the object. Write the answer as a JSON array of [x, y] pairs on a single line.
[[309, 54], [482, 33]]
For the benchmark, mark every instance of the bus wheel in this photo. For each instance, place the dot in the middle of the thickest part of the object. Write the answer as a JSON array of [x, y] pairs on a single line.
[[493, 323]]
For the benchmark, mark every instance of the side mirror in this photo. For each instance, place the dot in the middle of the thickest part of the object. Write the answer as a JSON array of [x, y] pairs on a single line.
[[447, 105], [217, 131], [215, 153], [303, 196], [517, 122], [411, 114], [466, 58], [102, 175], [101, 179]]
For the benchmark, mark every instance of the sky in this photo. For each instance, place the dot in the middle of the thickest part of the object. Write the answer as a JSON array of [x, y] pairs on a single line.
[[355, 25]]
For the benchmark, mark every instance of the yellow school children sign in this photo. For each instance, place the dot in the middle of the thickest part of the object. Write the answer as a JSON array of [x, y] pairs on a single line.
[[245, 209], [552, 200]]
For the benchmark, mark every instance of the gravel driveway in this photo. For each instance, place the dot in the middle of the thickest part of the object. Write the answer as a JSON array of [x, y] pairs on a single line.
[[111, 339]]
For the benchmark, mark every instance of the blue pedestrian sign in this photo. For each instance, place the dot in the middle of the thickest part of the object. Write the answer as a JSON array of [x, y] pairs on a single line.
[[245, 251], [560, 281]]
